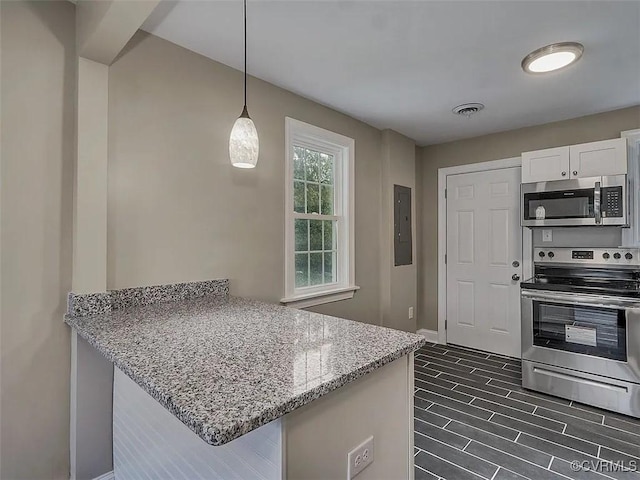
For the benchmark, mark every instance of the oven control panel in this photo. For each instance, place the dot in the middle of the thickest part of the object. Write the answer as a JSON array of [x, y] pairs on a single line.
[[589, 256]]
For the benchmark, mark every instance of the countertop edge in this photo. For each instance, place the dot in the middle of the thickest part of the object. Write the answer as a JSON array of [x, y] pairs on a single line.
[[308, 397], [217, 437]]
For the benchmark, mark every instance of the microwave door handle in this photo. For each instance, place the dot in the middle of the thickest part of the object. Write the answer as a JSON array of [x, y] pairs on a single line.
[[596, 204]]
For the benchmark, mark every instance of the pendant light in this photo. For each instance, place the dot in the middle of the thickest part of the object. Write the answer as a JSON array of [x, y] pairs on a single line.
[[243, 142]]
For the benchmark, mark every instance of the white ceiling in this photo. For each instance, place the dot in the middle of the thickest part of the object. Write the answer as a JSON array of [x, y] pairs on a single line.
[[405, 64]]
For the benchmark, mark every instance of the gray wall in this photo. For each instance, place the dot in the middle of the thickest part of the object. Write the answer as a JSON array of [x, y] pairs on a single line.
[[37, 150], [481, 149], [178, 211], [398, 283]]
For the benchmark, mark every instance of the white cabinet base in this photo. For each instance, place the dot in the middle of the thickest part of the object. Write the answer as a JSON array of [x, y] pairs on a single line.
[[312, 442], [150, 443]]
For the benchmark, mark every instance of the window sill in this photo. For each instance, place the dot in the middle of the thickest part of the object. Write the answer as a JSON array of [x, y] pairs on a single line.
[[318, 298]]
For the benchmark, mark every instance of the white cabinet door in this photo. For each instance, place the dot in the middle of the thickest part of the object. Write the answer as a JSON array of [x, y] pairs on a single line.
[[596, 159], [484, 251], [545, 165]]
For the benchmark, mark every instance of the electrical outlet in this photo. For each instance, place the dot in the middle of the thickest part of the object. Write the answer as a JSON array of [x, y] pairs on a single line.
[[547, 235], [360, 457], [410, 313]]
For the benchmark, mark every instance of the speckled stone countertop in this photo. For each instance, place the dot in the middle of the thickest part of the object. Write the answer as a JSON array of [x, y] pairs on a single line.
[[226, 365]]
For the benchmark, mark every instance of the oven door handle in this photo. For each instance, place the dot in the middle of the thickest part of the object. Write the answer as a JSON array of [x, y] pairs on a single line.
[[576, 379], [581, 300]]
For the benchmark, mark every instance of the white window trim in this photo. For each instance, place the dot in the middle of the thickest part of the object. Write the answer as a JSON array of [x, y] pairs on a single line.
[[344, 148]]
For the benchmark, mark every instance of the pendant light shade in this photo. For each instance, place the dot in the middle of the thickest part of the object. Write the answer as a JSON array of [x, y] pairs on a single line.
[[243, 142]]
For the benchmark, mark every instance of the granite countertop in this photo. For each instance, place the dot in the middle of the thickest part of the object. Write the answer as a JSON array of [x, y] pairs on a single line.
[[226, 365]]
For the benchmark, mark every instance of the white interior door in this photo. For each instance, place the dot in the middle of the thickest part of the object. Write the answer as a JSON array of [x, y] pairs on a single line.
[[484, 251]]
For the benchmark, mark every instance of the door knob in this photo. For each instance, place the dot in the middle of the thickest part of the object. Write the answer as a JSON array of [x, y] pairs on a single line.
[[564, 174], [515, 277], [575, 172]]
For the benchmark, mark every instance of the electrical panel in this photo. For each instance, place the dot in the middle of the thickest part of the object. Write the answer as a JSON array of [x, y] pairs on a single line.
[[402, 234]]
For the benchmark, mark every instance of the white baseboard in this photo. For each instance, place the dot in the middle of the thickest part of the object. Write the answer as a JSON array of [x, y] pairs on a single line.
[[430, 335], [106, 476]]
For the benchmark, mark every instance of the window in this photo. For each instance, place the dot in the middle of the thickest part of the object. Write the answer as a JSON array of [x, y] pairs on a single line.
[[319, 259]]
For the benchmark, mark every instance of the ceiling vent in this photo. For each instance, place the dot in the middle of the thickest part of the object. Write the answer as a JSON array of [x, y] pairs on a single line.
[[468, 109]]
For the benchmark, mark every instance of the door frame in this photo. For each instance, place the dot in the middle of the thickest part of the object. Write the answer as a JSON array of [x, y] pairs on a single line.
[[443, 173]]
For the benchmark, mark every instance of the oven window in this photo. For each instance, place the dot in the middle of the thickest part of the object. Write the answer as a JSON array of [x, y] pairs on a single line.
[[593, 331], [562, 204]]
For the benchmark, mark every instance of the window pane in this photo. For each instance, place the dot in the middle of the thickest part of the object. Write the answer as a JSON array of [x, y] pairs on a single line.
[[298, 163], [326, 199], [302, 235], [302, 269], [298, 197], [313, 200], [328, 235], [315, 268], [329, 261], [315, 234], [312, 161], [317, 190], [326, 168]]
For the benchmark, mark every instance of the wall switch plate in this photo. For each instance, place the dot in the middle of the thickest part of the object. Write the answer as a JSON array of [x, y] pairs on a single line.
[[410, 313], [547, 235], [360, 458]]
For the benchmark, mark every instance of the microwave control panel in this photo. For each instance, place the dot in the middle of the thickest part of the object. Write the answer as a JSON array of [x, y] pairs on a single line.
[[612, 202]]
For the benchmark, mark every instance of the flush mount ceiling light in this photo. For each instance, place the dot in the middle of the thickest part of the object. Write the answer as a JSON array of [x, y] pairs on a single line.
[[243, 142], [552, 57]]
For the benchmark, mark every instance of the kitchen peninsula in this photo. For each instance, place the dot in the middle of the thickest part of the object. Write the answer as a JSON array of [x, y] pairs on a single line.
[[207, 385]]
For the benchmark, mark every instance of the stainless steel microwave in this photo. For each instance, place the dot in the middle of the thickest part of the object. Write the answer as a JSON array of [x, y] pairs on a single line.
[[577, 202]]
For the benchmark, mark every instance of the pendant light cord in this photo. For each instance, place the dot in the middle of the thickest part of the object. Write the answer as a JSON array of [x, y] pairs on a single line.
[[245, 53]]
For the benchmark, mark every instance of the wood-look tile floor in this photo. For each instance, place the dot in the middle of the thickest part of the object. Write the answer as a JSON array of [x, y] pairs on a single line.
[[474, 421]]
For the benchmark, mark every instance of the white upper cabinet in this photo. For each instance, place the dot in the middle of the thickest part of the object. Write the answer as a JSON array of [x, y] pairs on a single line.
[[544, 165], [595, 159]]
